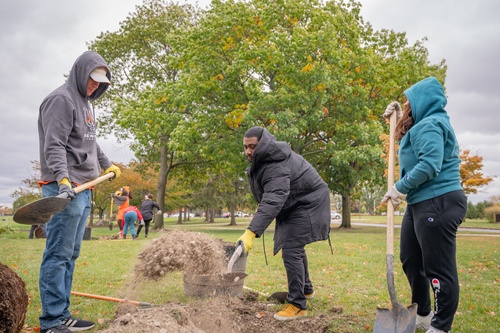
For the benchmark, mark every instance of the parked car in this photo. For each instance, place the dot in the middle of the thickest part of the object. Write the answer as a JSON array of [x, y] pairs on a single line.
[[240, 214], [335, 215], [226, 215]]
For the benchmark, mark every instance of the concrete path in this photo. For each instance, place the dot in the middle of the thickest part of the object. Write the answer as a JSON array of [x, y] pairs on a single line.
[[460, 230]]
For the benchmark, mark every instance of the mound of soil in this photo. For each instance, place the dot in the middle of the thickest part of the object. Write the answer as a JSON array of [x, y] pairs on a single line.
[[198, 253], [191, 252], [13, 301], [223, 314]]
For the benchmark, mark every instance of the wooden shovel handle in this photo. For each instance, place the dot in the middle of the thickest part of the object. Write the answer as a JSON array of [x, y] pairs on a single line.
[[93, 182], [390, 184]]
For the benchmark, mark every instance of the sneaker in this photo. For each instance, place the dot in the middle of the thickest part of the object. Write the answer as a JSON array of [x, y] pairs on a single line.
[[146, 235], [311, 295], [77, 325], [134, 237], [57, 329], [435, 330], [290, 312], [423, 323]]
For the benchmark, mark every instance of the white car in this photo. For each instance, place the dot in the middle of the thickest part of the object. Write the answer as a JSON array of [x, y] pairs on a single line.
[[335, 215], [240, 214]]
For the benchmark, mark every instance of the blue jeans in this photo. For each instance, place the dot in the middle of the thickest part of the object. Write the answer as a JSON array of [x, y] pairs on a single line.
[[130, 218], [64, 239]]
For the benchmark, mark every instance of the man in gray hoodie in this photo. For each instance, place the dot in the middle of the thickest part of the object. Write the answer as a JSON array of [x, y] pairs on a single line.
[[291, 191], [69, 156]]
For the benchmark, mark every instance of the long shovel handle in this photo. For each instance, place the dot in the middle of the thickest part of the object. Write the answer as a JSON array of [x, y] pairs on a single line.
[[390, 213], [390, 184], [111, 299], [93, 182]]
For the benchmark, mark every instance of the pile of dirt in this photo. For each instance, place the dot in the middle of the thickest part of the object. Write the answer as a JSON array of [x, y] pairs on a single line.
[[198, 253], [13, 301], [221, 314], [191, 252]]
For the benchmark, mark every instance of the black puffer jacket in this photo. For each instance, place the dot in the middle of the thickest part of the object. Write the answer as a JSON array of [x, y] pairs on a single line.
[[289, 189]]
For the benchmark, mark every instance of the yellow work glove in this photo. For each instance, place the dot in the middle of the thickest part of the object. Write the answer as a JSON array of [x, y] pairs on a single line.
[[115, 170], [66, 189], [247, 239]]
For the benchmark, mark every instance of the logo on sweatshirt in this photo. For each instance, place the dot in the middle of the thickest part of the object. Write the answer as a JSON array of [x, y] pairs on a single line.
[[90, 122]]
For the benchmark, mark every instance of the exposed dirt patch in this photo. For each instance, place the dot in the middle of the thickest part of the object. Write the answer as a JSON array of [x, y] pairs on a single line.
[[223, 314], [198, 253]]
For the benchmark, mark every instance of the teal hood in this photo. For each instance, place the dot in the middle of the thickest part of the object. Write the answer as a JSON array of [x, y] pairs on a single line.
[[428, 153], [426, 98]]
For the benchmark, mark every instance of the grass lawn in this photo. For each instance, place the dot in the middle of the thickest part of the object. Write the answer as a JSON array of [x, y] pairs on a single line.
[[352, 277]]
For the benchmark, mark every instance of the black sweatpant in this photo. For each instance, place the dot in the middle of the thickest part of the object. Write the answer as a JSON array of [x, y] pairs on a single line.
[[428, 254], [297, 273], [146, 223]]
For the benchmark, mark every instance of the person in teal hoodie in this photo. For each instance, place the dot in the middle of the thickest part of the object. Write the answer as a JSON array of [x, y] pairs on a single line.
[[436, 203]]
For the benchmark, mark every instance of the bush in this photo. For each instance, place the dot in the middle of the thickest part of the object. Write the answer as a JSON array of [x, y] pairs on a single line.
[[490, 211], [7, 229]]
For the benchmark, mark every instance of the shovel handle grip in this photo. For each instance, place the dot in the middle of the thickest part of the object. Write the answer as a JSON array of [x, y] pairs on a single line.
[[93, 182]]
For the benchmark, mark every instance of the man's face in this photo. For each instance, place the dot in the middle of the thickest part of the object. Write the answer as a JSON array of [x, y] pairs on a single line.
[[91, 86], [249, 145]]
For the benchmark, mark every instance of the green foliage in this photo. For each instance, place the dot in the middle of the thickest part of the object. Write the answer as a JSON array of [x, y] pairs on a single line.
[[8, 229], [188, 83], [490, 212]]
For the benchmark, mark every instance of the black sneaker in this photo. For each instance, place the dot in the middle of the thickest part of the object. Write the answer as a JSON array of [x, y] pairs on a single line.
[[57, 329], [77, 325]]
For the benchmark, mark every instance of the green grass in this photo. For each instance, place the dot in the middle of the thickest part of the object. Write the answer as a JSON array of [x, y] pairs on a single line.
[[353, 277]]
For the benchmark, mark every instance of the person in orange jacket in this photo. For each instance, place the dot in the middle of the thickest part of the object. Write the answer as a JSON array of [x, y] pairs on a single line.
[[122, 199], [130, 215]]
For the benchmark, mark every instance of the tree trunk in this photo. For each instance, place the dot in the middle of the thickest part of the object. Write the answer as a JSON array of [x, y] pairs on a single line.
[[162, 187], [346, 211], [179, 218], [232, 217]]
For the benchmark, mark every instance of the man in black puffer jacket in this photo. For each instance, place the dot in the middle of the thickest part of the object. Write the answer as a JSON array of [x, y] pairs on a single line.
[[291, 191]]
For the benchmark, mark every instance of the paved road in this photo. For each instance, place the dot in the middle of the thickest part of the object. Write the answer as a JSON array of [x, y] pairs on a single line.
[[362, 224]]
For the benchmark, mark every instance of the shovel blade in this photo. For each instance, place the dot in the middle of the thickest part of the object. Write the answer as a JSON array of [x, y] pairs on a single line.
[[40, 211], [397, 320]]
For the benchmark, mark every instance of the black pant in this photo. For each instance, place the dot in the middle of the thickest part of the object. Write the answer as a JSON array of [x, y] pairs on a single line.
[[428, 254], [146, 223], [297, 272]]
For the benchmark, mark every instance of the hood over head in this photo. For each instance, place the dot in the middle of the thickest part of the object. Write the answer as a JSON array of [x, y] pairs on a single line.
[[81, 70], [426, 98]]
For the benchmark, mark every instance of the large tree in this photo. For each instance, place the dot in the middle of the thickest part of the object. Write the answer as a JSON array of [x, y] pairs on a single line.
[[313, 73], [139, 105]]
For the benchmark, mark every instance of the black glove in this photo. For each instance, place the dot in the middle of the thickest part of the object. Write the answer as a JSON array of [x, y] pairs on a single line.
[[65, 189]]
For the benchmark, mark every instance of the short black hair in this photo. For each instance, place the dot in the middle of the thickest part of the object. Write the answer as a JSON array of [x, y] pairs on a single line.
[[254, 132]]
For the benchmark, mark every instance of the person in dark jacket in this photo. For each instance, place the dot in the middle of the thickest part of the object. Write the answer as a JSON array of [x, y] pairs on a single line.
[[69, 155], [291, 191], [147, 207], [429, 159]]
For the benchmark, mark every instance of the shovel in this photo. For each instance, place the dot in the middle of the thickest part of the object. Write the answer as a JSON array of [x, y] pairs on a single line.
[[41, 211], [236, 255], [113, 299], [399, 319]]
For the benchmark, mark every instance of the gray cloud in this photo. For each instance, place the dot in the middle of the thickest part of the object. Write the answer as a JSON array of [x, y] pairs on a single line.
[[41, 39]]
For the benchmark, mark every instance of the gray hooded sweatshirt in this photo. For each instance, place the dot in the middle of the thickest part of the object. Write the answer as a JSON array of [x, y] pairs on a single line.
[[67, 129]]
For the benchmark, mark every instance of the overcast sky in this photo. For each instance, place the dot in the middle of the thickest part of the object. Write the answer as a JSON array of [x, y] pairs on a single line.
[[40, 40]]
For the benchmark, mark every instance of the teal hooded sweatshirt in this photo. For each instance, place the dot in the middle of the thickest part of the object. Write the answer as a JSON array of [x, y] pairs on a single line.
[[428, 153]]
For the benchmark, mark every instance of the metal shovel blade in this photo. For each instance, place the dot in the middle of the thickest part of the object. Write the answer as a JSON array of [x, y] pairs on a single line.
[[236, 255], [396, 320], [40, 211]]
